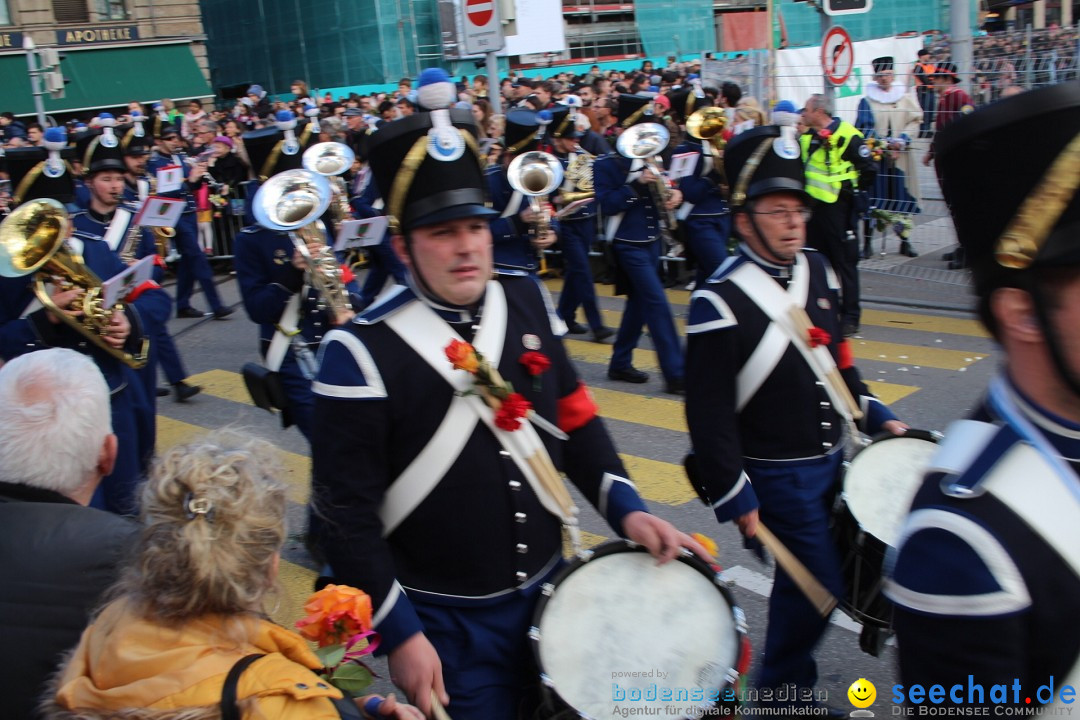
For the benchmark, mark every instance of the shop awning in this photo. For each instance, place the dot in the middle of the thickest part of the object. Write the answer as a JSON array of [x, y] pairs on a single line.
[[108, 77]]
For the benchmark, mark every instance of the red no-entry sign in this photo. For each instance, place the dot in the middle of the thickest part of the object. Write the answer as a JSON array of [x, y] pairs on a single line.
[[837, 55], [483, 31], [479, 12]]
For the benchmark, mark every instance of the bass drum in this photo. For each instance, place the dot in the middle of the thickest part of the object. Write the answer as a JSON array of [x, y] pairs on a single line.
[[879, 484], [617, 630]]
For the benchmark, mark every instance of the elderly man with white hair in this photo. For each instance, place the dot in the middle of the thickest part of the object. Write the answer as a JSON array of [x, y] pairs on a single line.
[[57, 556]]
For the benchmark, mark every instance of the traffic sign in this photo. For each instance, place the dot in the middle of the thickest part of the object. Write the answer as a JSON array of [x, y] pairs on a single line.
[[837, 55], [483, 31], [847, 7]]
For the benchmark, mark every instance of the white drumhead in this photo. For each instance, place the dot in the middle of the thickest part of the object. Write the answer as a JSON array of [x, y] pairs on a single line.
[[881, 482], [622, 620]]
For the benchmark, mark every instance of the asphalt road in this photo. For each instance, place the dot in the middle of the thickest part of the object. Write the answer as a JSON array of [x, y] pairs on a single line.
[[930, 366]]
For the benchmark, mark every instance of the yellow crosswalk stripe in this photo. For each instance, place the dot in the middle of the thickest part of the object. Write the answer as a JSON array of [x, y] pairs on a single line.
[[660, 482], [588, 540], [297, 583], [913, 354], [297, 468], [889, 393], [642, 409], [924, 323]]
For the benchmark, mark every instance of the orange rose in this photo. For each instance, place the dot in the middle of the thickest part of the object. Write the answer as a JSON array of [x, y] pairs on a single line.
[[335, 614], [462, 356]]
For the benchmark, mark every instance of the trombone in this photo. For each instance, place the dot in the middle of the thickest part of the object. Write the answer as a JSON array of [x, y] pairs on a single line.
[[32, 240], [646, 141]]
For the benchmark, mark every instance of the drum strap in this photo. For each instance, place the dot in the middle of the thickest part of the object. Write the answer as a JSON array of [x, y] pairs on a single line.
[[428, 335]]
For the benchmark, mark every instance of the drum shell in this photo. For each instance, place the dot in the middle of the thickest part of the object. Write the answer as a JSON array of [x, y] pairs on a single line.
[[555, 706]]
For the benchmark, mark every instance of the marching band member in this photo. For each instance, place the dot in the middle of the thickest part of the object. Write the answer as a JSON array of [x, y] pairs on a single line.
[[292, 317], [426, 508], [136, 152], [986, 575], [625, 194], [577, 230], [382, 262], [516, 246], [193, 263], [24, 329], [747, 356], [705, 216]]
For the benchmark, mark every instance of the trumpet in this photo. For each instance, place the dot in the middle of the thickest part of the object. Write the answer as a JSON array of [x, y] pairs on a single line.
[[536, 174], [644, 142], [332, 160], [32, 241], [292, 202]]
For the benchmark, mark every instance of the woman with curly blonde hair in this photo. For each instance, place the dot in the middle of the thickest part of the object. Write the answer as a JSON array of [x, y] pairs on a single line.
[[189, 610]]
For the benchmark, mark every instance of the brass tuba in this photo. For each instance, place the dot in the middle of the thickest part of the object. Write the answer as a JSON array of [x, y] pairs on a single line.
[[646, 141], [292, 202], [536, 174], [708, 123], [32, 241], [332, 160]]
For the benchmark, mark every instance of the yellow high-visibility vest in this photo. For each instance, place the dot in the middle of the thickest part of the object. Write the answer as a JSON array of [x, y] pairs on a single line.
[[826, 170]]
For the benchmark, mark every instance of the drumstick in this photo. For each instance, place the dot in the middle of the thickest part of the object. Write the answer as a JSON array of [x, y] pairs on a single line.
[[822, 600], [437, 708]]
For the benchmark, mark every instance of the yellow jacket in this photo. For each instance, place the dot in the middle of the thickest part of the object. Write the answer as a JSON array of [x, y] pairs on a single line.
[[124, 661]]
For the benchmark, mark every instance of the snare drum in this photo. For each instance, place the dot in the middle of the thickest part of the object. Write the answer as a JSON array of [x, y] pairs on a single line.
[[879, 484], [618, 631]]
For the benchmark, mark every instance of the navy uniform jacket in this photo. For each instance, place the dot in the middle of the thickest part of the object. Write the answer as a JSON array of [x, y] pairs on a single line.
[[790, 416], [512, 247], [481, 534], [267, 278], [979, 591], [89, 223], [186, 191], [702, 188], [595, 143], [628, 208]]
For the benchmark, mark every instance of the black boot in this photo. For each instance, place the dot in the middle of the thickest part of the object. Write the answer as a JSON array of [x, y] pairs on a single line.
[[906, 249], [867, 250], [185, 392]]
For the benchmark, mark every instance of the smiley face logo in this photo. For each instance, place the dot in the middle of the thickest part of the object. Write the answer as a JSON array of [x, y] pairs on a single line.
[[862, 693]]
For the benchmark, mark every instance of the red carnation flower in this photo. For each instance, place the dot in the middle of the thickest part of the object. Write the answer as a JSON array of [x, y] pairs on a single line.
[[535, 362], [514, 408], [819, 337], [824, 133]]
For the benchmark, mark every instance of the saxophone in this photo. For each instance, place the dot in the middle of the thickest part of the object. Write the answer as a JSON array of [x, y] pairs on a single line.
[[579, 173]]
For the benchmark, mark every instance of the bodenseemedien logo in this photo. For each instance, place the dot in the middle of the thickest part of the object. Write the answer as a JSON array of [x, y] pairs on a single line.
[[862, 694]]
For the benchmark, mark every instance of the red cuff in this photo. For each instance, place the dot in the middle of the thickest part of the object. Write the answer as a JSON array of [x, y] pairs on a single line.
[[147, 285], [843, 350], [576, 409], [159, 261], [347, 275]]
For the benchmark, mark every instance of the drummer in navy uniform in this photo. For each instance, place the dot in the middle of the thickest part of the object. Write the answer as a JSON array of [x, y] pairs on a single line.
[[271, 273], [193, 263], [766, 422], [577, 231], [625, 197], [516, 247], [430, 513], [986, 577], [135, 142], [22, 331]]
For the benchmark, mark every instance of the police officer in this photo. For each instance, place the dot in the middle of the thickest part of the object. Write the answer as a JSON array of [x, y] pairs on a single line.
[[22, 331], [517, 244], [271, 273], [986, 576], [626, 194], [839, 171], [705, 217], [193, 263], [578, 229], [135, 143], [428, 511], [745, 359]]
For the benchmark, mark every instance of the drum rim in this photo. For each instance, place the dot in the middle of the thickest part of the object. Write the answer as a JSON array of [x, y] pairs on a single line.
[[615, 547]]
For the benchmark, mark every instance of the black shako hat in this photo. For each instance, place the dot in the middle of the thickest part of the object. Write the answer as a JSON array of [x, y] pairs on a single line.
[[761, 161], [562, 123], [882, 64], [523, 130], [947, 69], [131, 143], [29, 181], [270, 154], [634, 109], [1024, 214], [428, 169], [684, 102], [98, 153]]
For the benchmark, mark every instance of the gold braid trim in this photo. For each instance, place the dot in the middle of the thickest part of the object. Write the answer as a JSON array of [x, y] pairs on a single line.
[[272, 159], [636, 116], [738, 198], [403, 181], [524, 141], [31, 177], [562, 126], [1042, 208], [90, 148], [690, 102]]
